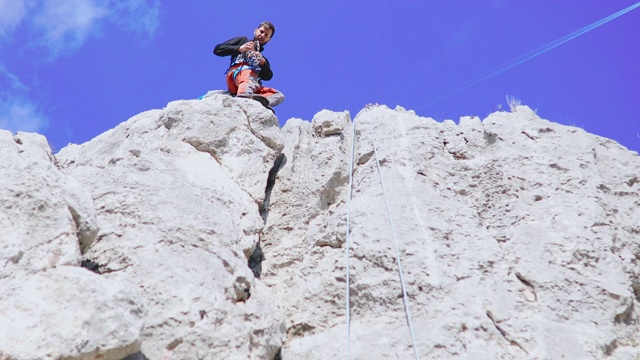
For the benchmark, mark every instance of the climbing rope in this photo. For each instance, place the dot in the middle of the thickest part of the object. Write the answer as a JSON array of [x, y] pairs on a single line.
[[405, 299], [348, 241], [515, 62]]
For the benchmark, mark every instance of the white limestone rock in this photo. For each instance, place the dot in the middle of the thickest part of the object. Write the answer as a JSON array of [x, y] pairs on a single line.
[[176, 193], [51, 308], [519, 238], [68, 312], [46, 217]]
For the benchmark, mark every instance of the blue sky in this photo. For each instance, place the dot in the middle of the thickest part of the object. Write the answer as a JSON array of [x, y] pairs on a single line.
[[72, 69]]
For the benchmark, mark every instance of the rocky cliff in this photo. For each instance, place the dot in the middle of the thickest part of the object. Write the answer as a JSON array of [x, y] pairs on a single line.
[[204, 231]]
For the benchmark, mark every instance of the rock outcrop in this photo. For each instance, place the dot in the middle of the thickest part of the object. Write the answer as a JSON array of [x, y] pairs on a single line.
[[174, 194], [519, 238], [171, 237]]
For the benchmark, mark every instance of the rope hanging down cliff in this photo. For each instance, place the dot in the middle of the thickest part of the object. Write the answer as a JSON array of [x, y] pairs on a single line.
[[395, 239], [405, 299], [348, 240]]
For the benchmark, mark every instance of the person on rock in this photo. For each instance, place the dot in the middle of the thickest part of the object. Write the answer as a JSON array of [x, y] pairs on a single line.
[[249, 67]]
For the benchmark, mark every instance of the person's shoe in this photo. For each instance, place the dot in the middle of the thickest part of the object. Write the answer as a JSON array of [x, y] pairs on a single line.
[[261, 99]]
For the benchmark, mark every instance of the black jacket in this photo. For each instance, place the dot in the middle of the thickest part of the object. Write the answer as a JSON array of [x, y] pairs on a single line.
[[230, 47]]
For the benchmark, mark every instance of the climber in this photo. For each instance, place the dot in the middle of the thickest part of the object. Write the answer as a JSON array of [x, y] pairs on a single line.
[[249, 68]]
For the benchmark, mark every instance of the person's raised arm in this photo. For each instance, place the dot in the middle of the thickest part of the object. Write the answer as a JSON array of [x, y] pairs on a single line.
[[230, 47]]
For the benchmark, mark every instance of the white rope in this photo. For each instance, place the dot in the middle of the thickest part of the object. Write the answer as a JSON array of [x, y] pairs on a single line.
[[348, 242], [395, 240]]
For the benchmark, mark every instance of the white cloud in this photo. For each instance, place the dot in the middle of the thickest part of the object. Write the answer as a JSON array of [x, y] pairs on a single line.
[[14, 81], [19, 114], [137, 15], [65, 25], [11, 14], [62, 26]]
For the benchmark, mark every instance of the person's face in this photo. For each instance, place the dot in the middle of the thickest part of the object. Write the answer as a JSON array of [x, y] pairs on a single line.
[[262, 34]]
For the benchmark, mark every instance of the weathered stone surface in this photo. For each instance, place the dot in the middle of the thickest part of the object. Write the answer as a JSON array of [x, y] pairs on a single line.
[[45, 217], [519, 238], [68, 312], [176, 194]]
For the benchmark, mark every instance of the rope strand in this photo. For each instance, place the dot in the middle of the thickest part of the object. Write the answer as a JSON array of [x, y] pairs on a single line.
[[395, 240], [348, 240]]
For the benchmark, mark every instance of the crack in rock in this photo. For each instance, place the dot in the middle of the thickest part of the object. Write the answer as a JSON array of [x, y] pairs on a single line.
[[91, 265], [529, 285], [257, 256], [240, 291], [626, 317], [504, 334], [85, 233], [278, 164], [136, 356], [608, 349], [202, 147], [330, 192], [255, 260], [268, 142]]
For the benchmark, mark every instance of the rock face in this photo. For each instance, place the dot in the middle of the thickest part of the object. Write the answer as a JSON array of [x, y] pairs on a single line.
[[51, 308], [173, 193], [517, 237]]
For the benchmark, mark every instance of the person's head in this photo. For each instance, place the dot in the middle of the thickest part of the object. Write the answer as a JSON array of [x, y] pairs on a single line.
[[264, 32]]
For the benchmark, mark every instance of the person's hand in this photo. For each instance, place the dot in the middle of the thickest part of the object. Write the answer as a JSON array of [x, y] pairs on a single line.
[[246, 47], [260, 58]]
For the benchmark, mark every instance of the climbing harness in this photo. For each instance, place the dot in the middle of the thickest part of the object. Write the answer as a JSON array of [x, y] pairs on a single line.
[[395, 239], [237, 70]]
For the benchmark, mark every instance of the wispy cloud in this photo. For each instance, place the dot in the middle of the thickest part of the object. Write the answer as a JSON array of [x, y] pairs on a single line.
[[60, 27], [20, 114], [17, 112], [11, 14], [64, 26], [137, 15], [13, 80]]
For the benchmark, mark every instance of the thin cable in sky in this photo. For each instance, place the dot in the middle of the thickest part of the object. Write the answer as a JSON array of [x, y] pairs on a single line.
[[528, 56]]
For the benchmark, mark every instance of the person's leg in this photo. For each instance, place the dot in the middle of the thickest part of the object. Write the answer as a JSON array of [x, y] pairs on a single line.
[[231, 85], [246, 82], [274, 96]]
